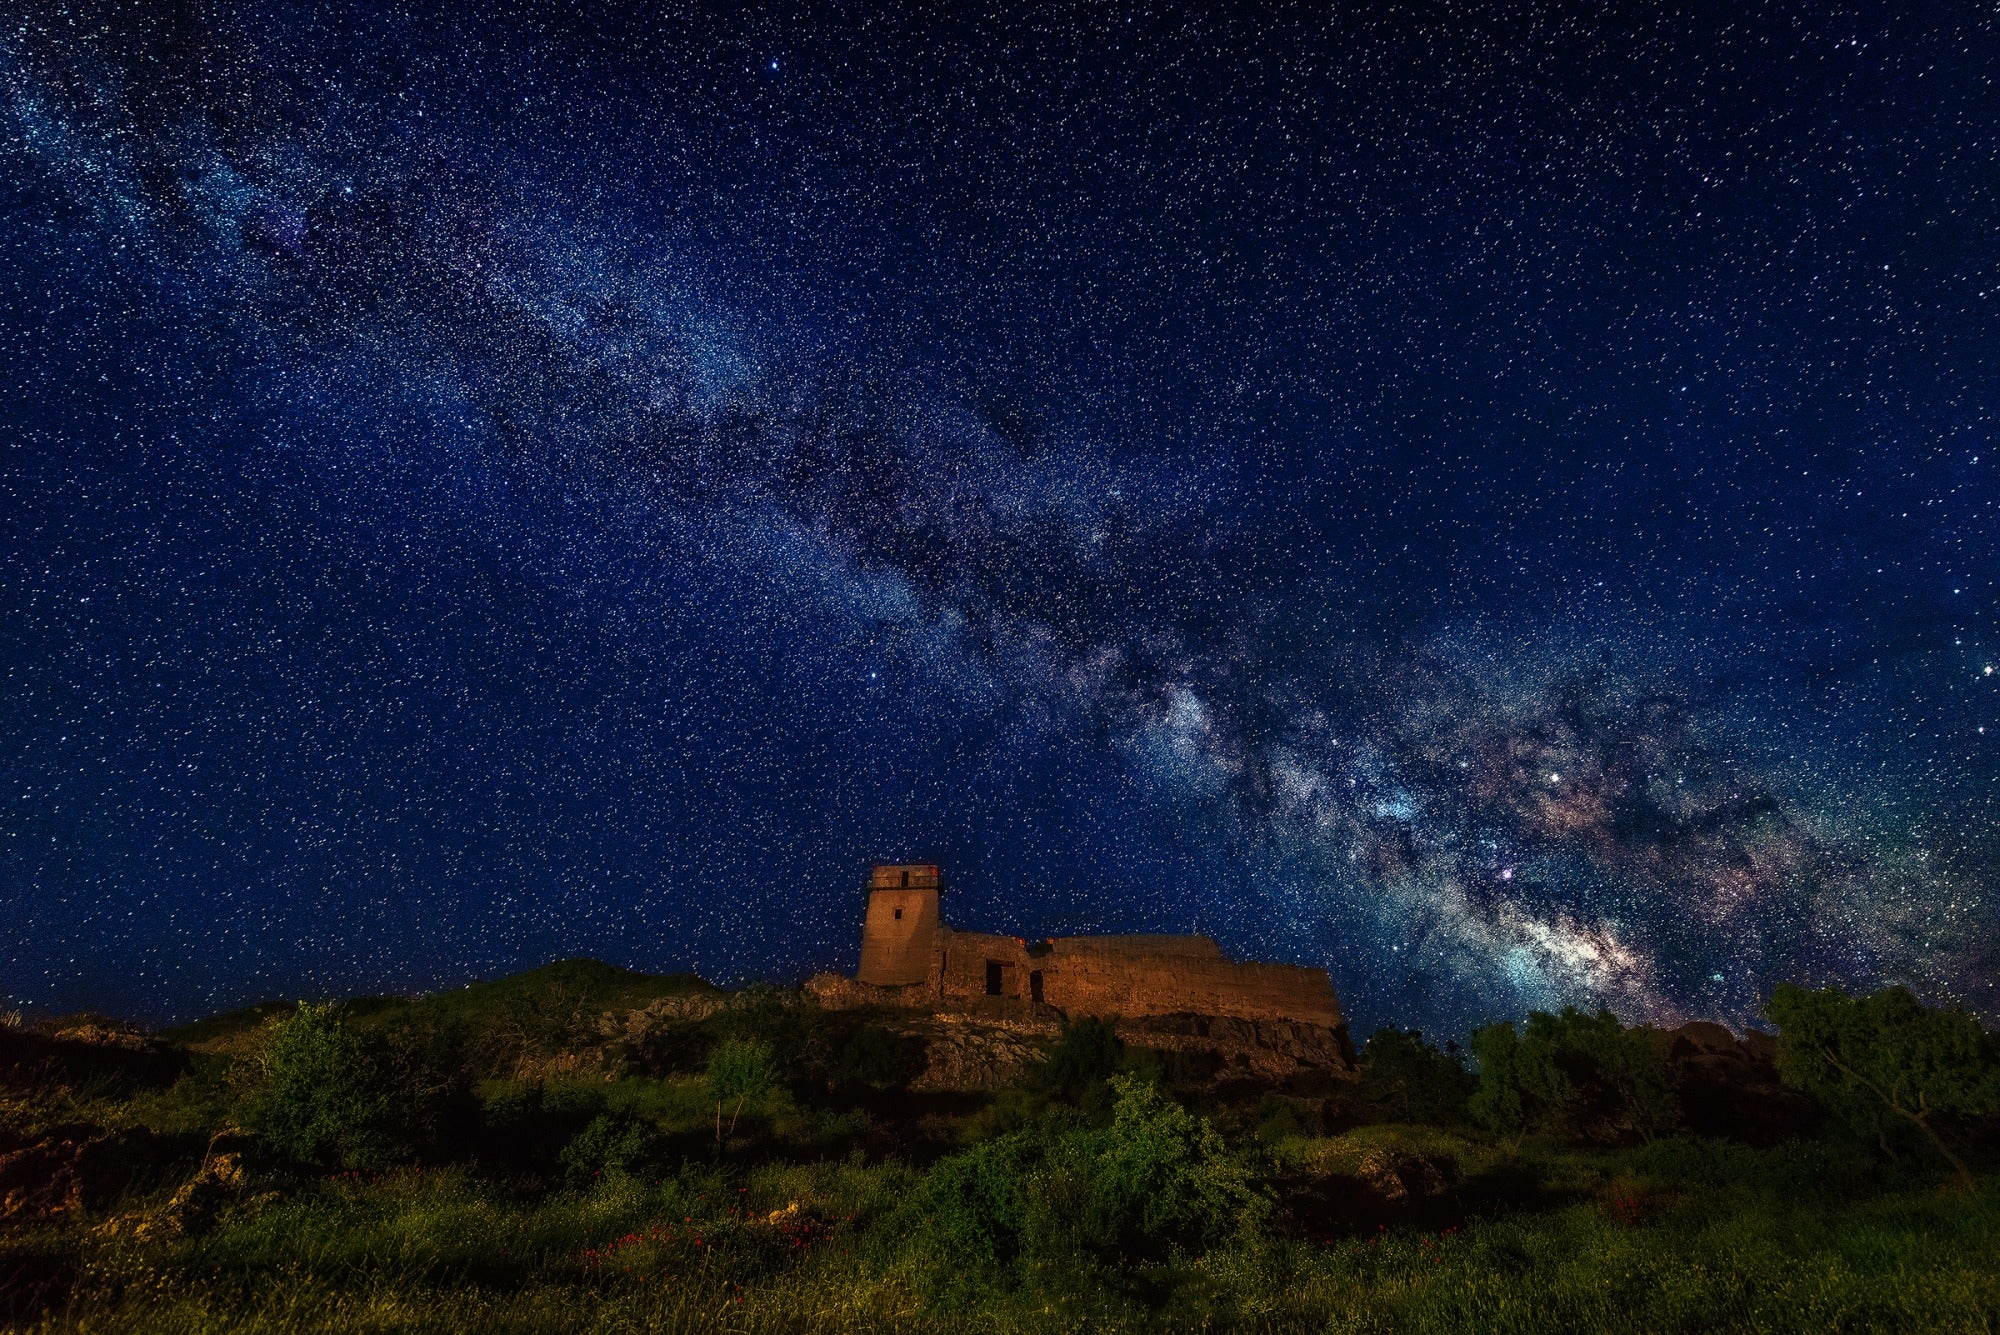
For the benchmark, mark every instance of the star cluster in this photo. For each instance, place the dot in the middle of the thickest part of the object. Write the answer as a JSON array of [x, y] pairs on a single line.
[[1498, 504]]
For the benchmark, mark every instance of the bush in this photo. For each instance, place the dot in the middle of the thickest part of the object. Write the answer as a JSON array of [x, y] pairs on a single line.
[[790, 1027], [312, 1098], [1280, 1118], [1161, 1178], [965, 1222], [1405, 1079], [528, 1125], [612, 1143], [1497, 1103], [1086, 1053], [1887, 1063], [1157, 1180], [739, 1070], [421, 1072], [1574, 1076], [539, 1022]]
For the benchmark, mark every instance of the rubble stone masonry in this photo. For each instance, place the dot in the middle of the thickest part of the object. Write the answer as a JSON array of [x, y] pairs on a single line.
[[906, 946]]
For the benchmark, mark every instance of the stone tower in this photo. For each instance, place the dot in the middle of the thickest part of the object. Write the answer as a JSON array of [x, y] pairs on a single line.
[[901, 928]]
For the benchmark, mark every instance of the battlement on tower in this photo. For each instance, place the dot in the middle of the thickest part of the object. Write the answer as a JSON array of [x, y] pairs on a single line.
[[899, 933]]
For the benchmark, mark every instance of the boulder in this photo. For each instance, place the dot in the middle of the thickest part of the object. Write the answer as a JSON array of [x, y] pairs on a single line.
[[961, 1054], [1730, 1089]]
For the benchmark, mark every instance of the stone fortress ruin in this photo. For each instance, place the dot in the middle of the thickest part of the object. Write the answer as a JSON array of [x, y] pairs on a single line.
[[1179, 990]]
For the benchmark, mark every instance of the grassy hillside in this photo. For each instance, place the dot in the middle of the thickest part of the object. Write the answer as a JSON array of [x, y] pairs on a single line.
[[586, 984], [686, 1159], [591, 982]]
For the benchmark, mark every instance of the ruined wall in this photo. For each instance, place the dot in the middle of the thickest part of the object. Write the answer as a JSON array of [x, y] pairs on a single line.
[[1092, 978], [904, 945], [1139, 976], [899, 935], [1128, 976], [965, 963]]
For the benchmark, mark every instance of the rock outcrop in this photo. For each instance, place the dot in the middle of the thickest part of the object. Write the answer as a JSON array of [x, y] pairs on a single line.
[[1269, 1050], [969, 1054], [84, 1054], [975, 1046], [68, 1170], [1729, 1086]]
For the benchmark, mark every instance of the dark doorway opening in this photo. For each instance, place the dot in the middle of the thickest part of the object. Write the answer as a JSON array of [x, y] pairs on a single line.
[[1035, 986], [993, 968]]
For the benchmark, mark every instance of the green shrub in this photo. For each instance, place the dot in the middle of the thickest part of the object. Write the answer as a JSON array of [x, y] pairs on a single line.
[[789, 1026], [420, 1069], [1496, 1102], [739, 1070], [1161, 1178], [1045, 1199], [1405, 1079], [1012, 1108], [1086, 1053], [1574, 1076], [1888, 1064], [312, 1098], [528, 1124], [964, 1224], [1280, 1118], [612, 1143]]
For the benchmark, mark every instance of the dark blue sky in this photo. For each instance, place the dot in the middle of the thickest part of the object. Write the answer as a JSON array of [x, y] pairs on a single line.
[[1498, 503]]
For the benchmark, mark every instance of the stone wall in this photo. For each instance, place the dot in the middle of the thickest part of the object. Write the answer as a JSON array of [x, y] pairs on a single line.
[[907, 950], [1111, 976], [899, 935], [1126, 976], [961, 969]]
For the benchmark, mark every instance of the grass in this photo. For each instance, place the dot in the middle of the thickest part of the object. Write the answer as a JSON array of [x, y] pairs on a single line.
[[583, 984], [590, 984], [1714, 1261], [1678, 1237], [575, 1201]]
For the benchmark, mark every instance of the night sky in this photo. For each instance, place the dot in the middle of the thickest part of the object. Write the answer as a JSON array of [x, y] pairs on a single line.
[[1503, 504]]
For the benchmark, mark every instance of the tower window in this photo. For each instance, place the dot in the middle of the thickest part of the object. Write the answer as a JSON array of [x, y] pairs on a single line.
[[906, 878], [993, 978], [899, 915]]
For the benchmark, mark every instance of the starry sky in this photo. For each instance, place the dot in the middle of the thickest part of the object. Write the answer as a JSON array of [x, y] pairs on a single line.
[[1501, 502]]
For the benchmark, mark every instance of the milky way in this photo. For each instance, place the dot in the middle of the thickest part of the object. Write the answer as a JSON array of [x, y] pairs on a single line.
[[1500, 506]]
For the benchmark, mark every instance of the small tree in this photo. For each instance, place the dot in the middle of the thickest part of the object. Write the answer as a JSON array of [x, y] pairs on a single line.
[[536, 1024], [1591, 1075], [419, 1069], [1405, 1079], [1163, 1176], [1887, 1060], [790, 1025], [1496, 1100], [1086, 1053], [1575, 1074], [312, 1098], [611, 1143], [967, 1216], [739, 1069]]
